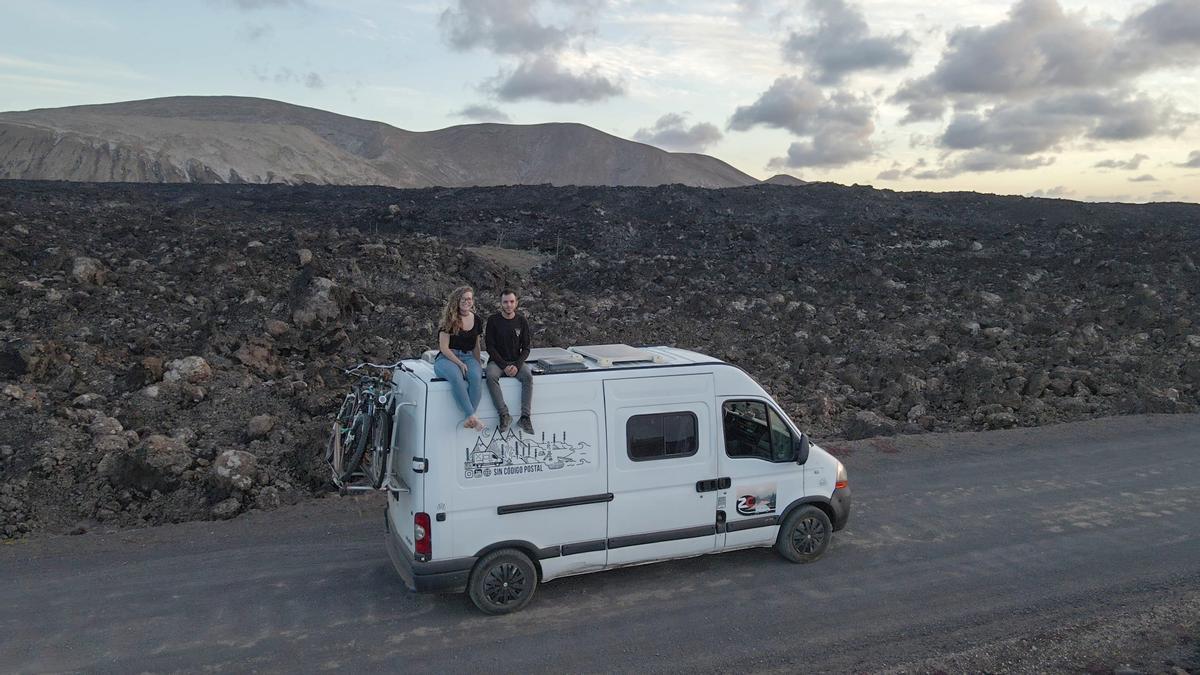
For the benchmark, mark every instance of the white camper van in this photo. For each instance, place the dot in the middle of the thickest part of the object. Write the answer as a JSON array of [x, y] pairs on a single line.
[[639, 455]]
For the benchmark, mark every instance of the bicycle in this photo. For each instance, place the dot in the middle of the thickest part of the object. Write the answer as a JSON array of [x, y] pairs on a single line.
[[361, 437]]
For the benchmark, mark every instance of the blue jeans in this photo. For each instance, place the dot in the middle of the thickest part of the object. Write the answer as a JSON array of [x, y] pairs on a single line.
[[466, 391]]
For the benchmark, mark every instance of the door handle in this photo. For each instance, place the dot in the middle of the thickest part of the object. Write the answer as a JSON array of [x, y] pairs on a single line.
[[713, 484]]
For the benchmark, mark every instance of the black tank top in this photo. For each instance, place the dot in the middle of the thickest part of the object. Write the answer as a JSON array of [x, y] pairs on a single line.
[[465, 340]]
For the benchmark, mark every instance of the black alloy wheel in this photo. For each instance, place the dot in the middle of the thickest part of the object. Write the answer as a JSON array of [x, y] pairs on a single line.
[[502, 582], [805, 535]]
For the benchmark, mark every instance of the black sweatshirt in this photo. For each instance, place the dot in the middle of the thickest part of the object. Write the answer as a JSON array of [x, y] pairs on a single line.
[[507, 340]]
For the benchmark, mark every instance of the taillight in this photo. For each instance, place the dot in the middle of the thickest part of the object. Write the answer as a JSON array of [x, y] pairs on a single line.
[[841, 481], [422, 535]]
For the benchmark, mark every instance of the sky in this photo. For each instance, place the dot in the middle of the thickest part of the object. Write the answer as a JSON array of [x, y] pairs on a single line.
[[1096, 101]]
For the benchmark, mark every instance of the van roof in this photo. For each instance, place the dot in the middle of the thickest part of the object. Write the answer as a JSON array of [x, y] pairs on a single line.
[[590, 357]]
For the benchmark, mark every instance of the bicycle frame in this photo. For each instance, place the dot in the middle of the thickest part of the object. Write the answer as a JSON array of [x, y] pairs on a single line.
[[371, 398]]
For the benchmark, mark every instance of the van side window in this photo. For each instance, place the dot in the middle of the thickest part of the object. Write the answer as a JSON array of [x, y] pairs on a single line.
[[661, 436], [754, 430]]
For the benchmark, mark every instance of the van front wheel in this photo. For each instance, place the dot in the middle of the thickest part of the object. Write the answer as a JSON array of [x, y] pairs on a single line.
[[805, 535], [502, 582]]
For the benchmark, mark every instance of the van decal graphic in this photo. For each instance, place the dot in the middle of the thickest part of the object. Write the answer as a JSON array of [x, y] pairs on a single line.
[[756, 500], [511, 453]]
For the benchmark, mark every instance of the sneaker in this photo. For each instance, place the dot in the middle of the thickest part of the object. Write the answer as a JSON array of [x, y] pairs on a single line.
[[526, 424], [505, 422]]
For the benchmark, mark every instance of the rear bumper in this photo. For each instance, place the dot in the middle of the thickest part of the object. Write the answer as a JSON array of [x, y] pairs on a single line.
[[438, 576], [839, 501]]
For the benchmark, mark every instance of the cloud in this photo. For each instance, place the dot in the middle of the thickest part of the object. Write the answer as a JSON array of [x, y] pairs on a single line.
[[284, 75], [671, 132], [896, 173], [979, 161], [841, 44], [826, 150], [544, 78], [1042, 124], [1130, 164], [253, 32], [1039, 47], [511, 28], [501, 27], [313, 81], [1144, 178], [923, 101], [1192, 162], [252, 5], [749, 9], [1165, 34], [838, 126], [1042, 50], [800, 107], [1058, 191], [482, 113], [1043, 78]]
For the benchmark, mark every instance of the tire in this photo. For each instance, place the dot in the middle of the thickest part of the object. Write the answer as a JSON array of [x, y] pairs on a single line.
[[356, 439], [375, 461], [333, 449], [333, 446], [805, 535], [502, 582]]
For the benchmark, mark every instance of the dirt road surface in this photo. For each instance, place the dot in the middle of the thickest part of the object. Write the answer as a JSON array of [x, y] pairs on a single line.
[[1066, 548]]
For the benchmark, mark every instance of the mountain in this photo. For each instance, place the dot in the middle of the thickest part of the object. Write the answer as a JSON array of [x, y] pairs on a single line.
[[785, 179], [231, 139]]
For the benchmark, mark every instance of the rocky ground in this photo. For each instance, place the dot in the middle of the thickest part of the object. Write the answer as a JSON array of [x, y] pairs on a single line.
[[171, 353]]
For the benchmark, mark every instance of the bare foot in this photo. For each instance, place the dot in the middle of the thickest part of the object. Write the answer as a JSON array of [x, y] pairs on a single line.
[[472, 423]]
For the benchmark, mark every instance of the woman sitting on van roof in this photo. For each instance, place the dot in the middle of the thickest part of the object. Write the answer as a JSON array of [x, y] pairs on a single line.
[[458, 352]]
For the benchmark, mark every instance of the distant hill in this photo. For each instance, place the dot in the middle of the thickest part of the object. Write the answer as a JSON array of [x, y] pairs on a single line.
[[785, 179], [230, 139]]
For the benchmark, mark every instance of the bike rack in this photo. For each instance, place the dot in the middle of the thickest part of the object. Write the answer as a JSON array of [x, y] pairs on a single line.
[[354, 484], [390, 484], [359, 482]]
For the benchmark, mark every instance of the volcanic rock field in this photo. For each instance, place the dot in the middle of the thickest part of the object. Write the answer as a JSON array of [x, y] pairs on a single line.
[[174, 352]]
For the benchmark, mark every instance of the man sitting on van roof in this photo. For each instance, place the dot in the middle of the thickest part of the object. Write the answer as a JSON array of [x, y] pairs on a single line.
[[507, 338]]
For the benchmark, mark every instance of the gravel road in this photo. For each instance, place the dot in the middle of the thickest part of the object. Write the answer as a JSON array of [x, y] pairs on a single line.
[[1067, 548]]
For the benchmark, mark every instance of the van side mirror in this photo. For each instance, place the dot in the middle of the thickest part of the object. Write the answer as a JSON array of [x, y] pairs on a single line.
[[801, 449]]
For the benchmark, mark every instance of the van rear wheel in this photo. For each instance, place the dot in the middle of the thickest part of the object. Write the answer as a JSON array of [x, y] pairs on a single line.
[[805, 535], [502, 582]]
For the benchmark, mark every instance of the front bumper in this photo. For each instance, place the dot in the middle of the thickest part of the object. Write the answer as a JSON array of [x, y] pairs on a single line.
[[839, 501], [444, 576]]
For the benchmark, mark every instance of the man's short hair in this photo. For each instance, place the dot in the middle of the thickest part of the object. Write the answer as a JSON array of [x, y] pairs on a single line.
[[509, 291]]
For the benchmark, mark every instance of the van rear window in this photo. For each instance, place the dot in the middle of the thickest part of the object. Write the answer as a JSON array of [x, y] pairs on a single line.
[[661, 436]]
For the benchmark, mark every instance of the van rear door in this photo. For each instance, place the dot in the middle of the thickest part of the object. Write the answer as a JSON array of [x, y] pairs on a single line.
[[662, 467], [405, 485]]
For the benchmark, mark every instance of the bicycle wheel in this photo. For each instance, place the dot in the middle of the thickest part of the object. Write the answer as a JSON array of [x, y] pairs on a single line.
[[333, 449], [375, 460], [356, 445], [341, 425]]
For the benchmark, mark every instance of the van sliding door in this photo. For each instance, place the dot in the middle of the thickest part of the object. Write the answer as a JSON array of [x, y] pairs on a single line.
[[662, 463]]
